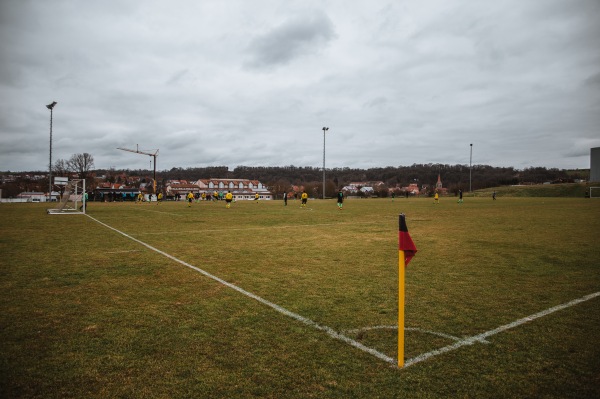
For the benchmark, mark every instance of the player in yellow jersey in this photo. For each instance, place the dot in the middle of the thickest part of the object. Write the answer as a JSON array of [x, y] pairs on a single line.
[[159, 198], [304, 199], [436, 198], [140, 198], [228, 199], [190, 198]]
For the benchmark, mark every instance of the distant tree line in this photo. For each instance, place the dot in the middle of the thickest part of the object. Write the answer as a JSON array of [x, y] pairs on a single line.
[[281, 178], [454, 177]]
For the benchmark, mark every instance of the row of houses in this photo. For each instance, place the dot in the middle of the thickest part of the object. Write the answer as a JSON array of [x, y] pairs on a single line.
[[242, 189], [369, 187]]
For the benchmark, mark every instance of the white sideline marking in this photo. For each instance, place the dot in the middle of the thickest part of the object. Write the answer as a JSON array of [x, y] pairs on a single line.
[[483, 336], [332, 333]]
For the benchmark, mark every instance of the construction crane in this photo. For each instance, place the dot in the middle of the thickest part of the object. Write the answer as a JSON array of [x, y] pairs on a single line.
[[152, 154]]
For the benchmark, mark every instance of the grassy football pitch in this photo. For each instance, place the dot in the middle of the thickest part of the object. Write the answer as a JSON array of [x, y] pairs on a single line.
[[266, 301]]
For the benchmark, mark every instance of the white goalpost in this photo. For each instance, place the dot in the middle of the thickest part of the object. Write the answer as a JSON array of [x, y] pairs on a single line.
[[72, 201], [594, 192]]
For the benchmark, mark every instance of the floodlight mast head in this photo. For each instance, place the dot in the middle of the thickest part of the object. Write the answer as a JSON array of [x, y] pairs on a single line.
[[50, 106]]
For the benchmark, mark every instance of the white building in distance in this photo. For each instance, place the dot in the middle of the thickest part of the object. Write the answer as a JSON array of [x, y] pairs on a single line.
[[242, 189]]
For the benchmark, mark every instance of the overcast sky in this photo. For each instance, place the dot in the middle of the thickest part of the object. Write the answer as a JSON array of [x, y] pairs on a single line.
[[229, 83]]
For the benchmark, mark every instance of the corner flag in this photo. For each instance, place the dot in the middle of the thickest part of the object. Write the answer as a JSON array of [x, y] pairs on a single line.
[[405, 243], [406, 251]]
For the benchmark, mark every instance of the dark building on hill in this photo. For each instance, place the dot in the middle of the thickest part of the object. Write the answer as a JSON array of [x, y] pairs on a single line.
[[595, 164]]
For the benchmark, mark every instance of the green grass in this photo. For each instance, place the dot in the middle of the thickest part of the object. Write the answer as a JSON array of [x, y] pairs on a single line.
[[87, 312], [574, 190]]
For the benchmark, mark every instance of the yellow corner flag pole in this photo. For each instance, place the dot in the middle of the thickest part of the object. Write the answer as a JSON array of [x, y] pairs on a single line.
[[406, 251], [401, 278]]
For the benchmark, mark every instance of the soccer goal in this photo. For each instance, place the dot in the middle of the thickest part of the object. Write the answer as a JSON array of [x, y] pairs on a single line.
[[594, 192], [72, 201]]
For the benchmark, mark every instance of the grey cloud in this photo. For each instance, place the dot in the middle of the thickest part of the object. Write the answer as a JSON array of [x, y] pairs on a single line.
[[581, 147], [518, 79], [378, 102], [593, 80], [176, 77], [293, 38]]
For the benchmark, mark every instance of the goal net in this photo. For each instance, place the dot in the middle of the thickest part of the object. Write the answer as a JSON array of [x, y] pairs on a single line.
[[72, 201], [594, 192]]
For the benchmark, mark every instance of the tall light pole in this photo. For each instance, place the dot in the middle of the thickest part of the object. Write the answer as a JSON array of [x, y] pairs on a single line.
[[324, 130], [470, 168], [50, 107]]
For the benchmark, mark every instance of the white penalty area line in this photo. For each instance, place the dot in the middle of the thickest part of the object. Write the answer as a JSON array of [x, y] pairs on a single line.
[[331, 332], [481, 337]]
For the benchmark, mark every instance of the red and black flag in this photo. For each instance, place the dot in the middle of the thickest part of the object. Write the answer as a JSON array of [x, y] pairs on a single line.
[[405, 243]]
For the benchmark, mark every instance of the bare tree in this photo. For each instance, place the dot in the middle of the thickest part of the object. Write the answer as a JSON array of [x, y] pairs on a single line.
[[61, 168], [279, 187], [81, 164]]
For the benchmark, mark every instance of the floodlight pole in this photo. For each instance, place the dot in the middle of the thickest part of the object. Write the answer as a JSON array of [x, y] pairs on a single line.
[[154, 183], [50, 107], [470, 168], [324, 130]]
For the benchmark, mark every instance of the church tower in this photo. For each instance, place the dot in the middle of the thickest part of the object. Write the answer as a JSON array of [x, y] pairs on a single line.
[[438, 185]]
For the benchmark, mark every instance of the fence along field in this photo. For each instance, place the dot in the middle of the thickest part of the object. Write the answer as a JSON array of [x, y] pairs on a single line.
[[115, 314]]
